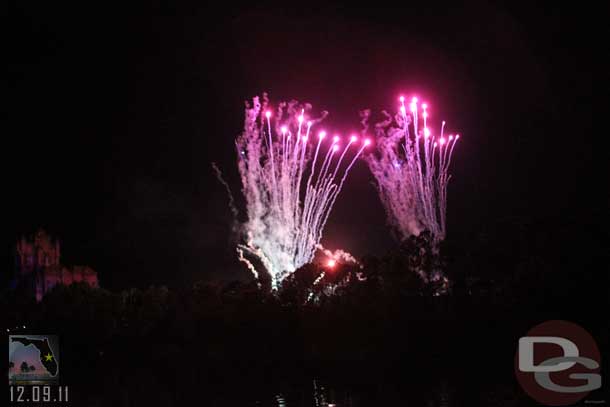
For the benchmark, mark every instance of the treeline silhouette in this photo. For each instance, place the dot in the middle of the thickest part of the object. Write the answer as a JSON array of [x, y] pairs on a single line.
[[384, 319]]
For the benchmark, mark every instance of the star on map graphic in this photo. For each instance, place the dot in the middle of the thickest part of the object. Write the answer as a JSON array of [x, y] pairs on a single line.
[[33, 359]]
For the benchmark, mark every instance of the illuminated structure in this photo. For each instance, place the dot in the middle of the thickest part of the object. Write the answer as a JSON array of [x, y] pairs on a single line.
[[38, 267]]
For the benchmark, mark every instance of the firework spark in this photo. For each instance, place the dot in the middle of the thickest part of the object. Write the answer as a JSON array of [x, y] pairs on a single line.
[[290, 181], [411, 169]]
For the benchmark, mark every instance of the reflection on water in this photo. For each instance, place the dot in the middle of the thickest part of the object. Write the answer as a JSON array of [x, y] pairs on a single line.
[[441, 394], [320, 395], [415, 386], [280, 401]]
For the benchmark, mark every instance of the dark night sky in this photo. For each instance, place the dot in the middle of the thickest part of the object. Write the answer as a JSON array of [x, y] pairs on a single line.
[[115, 116]]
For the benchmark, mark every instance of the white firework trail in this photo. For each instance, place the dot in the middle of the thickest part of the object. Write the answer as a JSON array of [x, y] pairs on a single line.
[[411, 169], [288, 200]]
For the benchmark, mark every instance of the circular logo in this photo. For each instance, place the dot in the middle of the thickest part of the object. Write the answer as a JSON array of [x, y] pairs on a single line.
[[558, 363]]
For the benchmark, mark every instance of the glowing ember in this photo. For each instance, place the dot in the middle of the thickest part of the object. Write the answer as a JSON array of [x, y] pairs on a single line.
[[331, 263]]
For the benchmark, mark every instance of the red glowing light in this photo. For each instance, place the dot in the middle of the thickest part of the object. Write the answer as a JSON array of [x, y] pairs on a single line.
[[284, 129], [402, 99], [403, 110], [301, 118], [424, 106], [267, 114], [414, 100], [442, 141], [335, 147], [367, 142], [336, 139], [331, 263], [353, 139], [322, 134]]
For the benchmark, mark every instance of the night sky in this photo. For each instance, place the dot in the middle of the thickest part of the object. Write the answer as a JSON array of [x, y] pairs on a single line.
[[114, 117]]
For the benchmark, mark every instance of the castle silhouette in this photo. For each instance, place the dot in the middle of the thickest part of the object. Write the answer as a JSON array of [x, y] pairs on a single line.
[[38, 268]]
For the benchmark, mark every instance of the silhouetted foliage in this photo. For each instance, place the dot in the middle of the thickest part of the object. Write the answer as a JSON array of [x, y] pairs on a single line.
[[388, 310]]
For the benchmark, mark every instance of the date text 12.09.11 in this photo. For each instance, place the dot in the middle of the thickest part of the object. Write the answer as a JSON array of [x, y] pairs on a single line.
[[38, 394]]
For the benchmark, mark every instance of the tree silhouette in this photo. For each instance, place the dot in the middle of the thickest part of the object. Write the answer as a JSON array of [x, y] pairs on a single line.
[[24, 367]]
